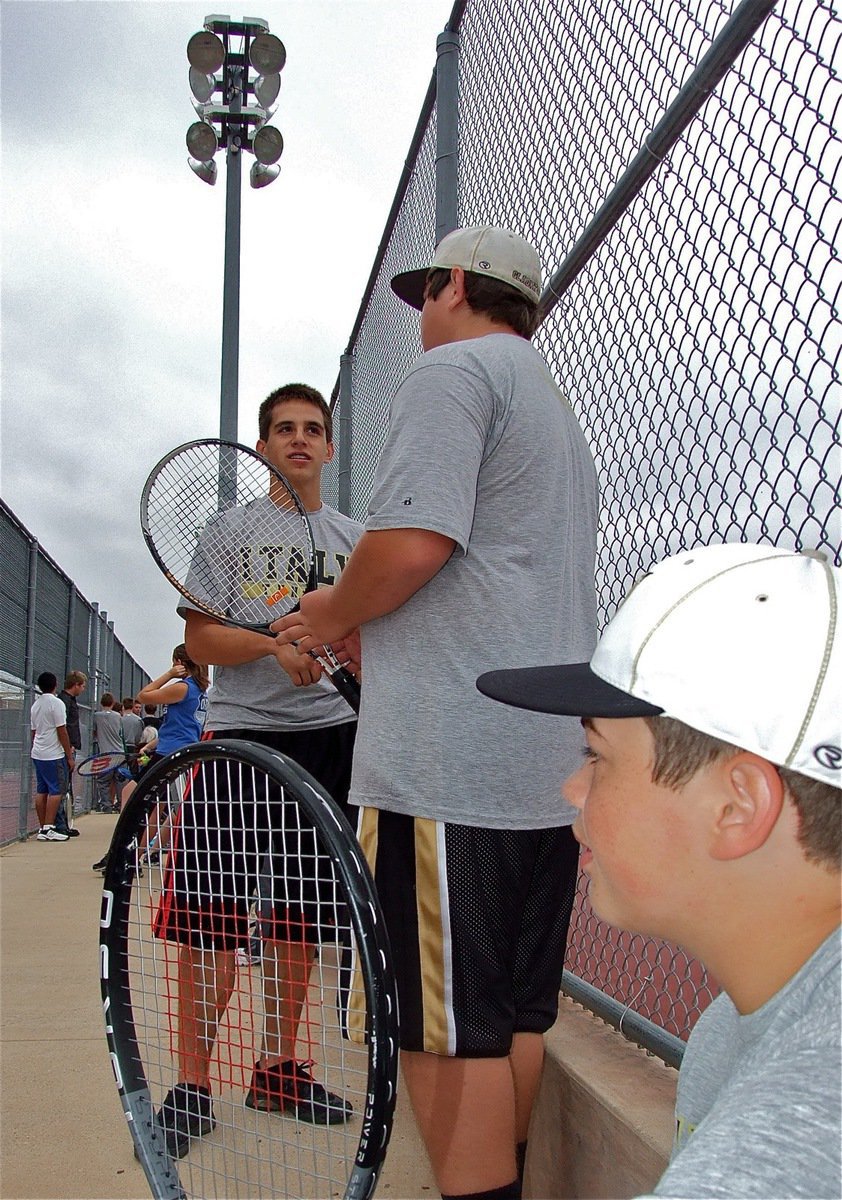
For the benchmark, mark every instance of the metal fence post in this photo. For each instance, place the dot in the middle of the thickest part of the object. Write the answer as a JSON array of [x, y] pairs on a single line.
[[447, 133], [345, 431]]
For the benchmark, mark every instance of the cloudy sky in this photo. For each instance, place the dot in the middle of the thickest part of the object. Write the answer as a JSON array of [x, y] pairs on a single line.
[[113, 255]]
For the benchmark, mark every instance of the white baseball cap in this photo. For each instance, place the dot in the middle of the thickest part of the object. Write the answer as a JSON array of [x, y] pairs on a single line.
[[740, 641], [485, 250]]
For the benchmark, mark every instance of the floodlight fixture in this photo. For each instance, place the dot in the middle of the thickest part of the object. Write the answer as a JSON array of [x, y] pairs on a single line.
[[202, 141], [267, 145], [205, 52], [202, 85], [266, 88], [267, 54], [261, 176], [205, 170]]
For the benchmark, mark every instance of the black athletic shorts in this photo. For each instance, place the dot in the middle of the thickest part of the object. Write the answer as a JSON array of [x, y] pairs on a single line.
[[231, 848], [477, 920]]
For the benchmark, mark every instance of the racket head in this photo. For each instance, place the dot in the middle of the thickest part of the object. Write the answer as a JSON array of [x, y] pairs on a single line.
[[228, 531], [251, 1152], [100, 764]]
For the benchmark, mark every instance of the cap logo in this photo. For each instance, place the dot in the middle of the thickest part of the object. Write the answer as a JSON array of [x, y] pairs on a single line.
[[829, 756], [485, 264], [527, 282]]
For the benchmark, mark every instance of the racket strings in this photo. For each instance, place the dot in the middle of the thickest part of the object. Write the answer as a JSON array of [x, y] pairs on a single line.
[[223, 525], [259, 884]]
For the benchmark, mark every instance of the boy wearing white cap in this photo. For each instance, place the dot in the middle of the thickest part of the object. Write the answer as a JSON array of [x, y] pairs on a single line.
[[485, 495], [710, 815]]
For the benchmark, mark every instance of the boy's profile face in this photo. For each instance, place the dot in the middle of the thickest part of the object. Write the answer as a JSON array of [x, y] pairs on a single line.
[[297, 443], [638, 838]]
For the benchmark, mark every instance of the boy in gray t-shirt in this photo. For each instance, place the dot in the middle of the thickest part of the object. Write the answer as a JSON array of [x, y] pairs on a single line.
[[710, 816], [478, 551]]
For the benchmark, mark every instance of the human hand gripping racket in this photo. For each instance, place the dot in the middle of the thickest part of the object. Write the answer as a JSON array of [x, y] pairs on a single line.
[[231, 534]]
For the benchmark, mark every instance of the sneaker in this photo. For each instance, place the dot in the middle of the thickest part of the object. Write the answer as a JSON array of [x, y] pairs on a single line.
[[74, 832], [187, 1113], [289, 1087], [49, 833], [101, 865]]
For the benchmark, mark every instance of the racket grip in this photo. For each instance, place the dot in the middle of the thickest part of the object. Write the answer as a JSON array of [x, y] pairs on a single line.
[[346, 685]]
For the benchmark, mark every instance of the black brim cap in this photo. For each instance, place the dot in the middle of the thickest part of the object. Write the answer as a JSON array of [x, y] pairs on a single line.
[[409, 286], [571, 690]]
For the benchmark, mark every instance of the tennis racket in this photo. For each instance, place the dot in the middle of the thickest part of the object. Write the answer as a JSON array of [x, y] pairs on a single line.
[[252, 833], [231, 534], [101, 764], [66, 801]]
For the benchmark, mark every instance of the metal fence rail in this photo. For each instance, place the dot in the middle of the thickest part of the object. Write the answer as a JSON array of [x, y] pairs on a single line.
[[46, 625], [693, 315]]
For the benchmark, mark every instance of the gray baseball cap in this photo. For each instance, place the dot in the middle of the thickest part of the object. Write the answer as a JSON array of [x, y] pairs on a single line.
[[485, 250]]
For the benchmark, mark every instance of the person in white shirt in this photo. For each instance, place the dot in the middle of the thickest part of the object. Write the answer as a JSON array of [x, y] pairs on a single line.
[[52, 755]]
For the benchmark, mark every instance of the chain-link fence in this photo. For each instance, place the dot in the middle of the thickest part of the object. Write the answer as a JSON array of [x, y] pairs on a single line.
[[695, 333], [46, 625]]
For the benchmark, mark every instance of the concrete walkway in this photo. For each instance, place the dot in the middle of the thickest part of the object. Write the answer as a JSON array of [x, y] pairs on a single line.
[[62, 1131]]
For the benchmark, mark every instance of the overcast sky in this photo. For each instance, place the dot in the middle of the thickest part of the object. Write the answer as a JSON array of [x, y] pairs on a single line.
[[113, 255]]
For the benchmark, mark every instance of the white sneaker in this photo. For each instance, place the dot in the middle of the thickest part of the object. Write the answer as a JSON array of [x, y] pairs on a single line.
[[50, 834]]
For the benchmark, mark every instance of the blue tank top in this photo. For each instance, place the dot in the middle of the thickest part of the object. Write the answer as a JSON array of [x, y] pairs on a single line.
[[183, 720]]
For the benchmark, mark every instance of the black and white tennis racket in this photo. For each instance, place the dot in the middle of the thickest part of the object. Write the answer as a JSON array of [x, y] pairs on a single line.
[[231, 534], [251, 834]]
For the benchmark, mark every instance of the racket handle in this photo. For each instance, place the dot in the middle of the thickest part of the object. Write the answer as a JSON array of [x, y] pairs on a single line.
[[345, 684]]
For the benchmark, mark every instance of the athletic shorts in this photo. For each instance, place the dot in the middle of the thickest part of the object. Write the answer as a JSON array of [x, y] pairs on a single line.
[[477, 921], [231, 851], [50, 776]]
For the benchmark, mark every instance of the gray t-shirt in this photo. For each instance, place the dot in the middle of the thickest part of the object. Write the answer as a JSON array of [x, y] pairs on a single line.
[[484, 449], [108, 731], [132, 729], [260, 695], [758, 1104]]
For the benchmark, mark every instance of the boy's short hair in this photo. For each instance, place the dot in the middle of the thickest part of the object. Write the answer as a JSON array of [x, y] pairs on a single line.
[[128, 702], [107, 700], [494, 299], [681, 751], [74, 677], [47, 681], [294, 391]]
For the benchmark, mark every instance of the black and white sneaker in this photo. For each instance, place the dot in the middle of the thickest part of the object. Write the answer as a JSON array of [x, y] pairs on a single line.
[[187, 1113], [49, 833], [288, 1087]]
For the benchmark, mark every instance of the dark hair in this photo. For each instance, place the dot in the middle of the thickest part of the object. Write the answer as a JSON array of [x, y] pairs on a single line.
[[681, 751], [128, 702], [197, 671], [47, 681], [107, 700], [293, 391], [495, 299], [150, 709]]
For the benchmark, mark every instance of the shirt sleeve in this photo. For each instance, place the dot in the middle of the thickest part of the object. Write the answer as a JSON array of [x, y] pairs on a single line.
[[427, 475]]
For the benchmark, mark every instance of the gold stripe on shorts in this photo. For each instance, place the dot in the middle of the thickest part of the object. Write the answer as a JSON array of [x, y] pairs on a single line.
[[434, 963], [356, 1014]]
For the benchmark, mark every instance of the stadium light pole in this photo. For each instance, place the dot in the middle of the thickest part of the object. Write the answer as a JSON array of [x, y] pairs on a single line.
[[241, 62]]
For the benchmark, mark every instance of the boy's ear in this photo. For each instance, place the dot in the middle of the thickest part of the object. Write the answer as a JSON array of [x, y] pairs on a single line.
[[457, 278], [330, 452], [749, 803]]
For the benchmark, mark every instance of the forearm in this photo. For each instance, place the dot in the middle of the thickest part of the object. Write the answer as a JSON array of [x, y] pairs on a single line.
[[208, 641], [386, 568], [65, 742]]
